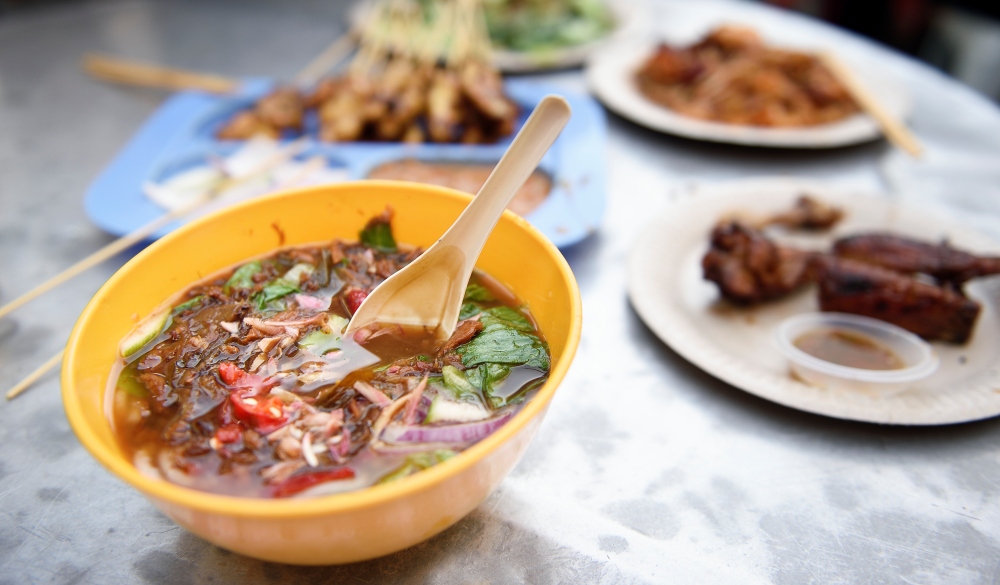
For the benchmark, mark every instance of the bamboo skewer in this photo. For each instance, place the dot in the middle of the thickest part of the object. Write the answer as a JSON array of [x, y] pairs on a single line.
[[336, 52], [35, 376], [892, 127], [140, 234], [126, 71]]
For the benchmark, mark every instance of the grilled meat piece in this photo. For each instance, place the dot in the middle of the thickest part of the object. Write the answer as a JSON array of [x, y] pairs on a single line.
[[901, 254], [748, 268], [807, 214], [932, 312]]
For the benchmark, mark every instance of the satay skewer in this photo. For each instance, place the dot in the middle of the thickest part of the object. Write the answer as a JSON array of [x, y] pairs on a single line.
[[892, 127]]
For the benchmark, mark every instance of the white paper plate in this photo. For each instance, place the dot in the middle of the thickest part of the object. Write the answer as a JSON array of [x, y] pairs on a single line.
[[611, 76], [736, 344]]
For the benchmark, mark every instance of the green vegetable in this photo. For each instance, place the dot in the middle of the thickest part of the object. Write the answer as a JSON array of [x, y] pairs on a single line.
[[507, 317], [418, 462], [243, 277], [282, 287], [274, 291], [469, 310], [478, 293], [487, 376], [294, 274], [144, 332], [325, 340], [500, 344], [378, 234], [189, 304], [456, 381]]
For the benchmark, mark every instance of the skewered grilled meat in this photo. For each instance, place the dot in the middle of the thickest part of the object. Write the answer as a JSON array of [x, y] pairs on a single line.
[[932, 312], [282, 109], [944, 263], [749, 268]]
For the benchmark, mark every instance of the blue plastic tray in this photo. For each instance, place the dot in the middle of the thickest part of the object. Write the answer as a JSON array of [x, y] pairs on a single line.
[[181, 134]]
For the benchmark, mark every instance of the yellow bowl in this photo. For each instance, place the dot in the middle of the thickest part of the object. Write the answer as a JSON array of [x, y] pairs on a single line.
[[345, 527]]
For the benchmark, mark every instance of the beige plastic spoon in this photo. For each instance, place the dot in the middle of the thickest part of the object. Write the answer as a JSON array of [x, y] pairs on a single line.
[[429, 291]]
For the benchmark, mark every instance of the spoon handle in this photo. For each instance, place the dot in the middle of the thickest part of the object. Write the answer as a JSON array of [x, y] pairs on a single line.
[[473, 227]]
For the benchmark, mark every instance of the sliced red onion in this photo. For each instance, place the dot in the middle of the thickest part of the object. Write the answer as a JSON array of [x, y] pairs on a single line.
[[312, 303], [373, 394], [455, 433]]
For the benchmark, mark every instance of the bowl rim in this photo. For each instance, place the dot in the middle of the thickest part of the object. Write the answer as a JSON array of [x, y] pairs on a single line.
[[272, 508], [785, 331]]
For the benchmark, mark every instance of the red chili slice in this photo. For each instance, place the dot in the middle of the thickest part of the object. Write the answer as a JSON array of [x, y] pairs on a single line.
[[353, 299], [230, 373], [263, 413], [299, 483]]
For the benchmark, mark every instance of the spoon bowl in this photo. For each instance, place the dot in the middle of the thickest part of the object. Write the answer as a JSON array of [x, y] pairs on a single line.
[[429, 291]]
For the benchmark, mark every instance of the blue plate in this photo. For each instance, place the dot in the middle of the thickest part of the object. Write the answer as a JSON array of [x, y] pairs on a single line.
[[181, 134]]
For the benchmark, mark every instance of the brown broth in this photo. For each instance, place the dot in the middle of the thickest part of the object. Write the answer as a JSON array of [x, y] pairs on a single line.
[[848, 348], [194, 405]]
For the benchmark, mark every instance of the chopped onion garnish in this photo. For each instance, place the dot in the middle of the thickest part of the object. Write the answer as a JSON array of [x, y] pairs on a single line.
[[373, 394], [456, 433]]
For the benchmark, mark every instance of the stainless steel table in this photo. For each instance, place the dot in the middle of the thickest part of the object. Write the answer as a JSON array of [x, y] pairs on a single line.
[[647, 469]]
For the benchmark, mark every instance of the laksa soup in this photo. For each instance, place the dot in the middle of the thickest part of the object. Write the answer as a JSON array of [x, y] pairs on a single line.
[[245, 385]]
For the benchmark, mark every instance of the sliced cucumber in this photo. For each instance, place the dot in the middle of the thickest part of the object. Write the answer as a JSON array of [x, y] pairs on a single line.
[[443, 409], [144, 332]]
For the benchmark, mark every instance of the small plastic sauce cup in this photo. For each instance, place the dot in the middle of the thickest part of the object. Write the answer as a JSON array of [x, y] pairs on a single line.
[[919, 360]]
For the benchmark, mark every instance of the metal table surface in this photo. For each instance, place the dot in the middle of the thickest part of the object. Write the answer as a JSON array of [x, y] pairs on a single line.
[[646, 470]]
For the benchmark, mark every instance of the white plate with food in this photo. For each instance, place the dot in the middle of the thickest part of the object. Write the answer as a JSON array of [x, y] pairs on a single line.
[[705, 77], [736, 343]]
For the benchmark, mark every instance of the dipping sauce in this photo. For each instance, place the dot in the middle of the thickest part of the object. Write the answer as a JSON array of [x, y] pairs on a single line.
[[848, 348], [468, 177]]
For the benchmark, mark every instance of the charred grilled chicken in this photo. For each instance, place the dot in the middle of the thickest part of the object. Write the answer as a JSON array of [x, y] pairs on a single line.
[[941, 261], [932, 312], [749, 268]]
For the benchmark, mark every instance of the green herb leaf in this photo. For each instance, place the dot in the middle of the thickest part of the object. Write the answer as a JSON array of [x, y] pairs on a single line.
[[488, 377], [378, 234], [469, 310], [294, 274], [507, 317], [274, 291], [500, 344], [320, 342], [456, 381], [243, 277], [478, 293]]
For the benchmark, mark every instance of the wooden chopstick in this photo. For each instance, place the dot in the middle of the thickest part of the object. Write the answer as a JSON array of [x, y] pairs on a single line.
[[892, 127], [147, 230], [126, 71], [329, 58], [34, 376]]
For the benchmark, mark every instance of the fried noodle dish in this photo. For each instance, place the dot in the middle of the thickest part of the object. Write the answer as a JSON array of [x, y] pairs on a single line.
[[731, 76]]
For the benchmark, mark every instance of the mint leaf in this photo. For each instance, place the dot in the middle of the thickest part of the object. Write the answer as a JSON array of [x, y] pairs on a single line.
[[507, 317], [478, 293], [243, 277], [378, 234], [274, 291], [456, 381], [468, 310], [500, 344]]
